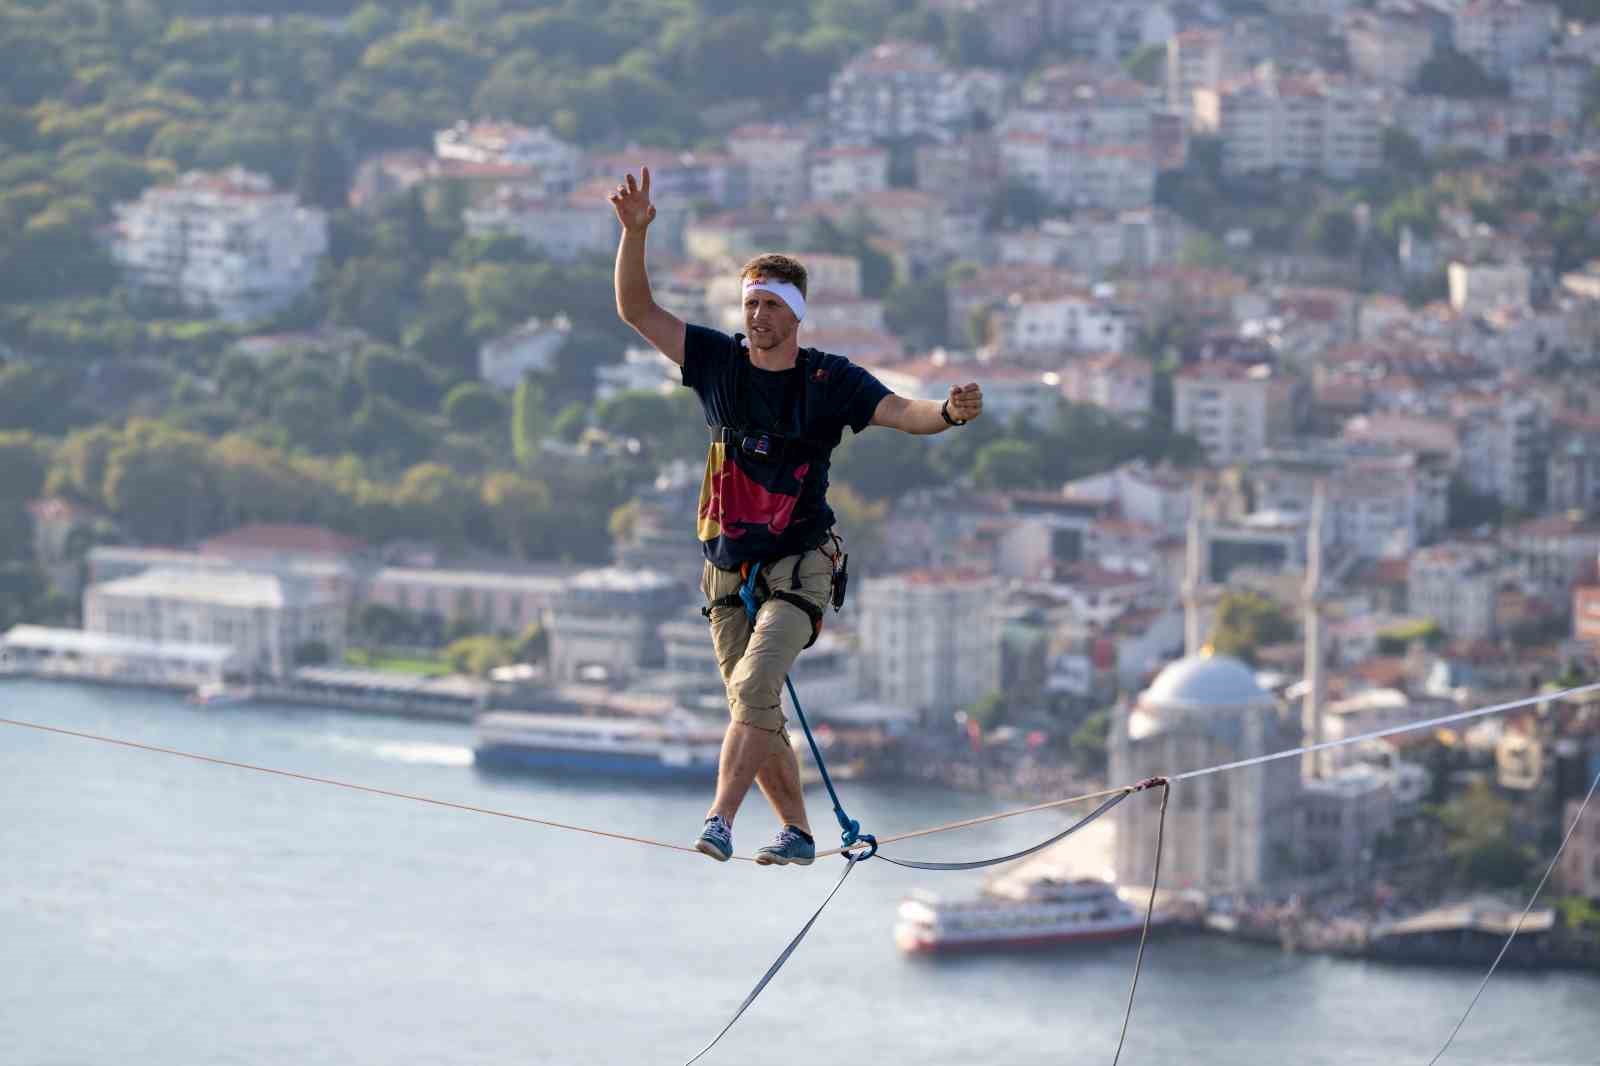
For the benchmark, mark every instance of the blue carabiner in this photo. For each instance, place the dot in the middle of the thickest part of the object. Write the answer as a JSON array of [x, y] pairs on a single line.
[[872, 848], [747, 593]]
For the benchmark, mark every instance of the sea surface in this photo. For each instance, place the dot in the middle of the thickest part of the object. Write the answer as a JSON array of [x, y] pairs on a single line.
[[156, 911]]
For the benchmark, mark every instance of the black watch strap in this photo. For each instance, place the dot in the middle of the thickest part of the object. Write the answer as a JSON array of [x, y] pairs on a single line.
[[944, 412]]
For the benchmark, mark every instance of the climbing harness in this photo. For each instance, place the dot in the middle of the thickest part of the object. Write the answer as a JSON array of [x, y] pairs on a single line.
[[753, 591]]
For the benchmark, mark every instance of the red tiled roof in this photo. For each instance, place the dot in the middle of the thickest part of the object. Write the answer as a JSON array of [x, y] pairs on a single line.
[[288, 539]]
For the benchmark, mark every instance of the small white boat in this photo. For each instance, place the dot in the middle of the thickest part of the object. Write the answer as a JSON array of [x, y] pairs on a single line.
[[218, 694], [1016, 913]]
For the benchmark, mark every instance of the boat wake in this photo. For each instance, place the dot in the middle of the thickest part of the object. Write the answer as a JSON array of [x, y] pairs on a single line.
[[416, 753]]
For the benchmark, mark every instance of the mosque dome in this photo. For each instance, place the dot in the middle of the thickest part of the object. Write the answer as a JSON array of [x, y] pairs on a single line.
[[1201, 682]]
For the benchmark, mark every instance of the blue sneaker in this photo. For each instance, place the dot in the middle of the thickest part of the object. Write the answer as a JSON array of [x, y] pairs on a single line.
[[791, 846], [716, 839]]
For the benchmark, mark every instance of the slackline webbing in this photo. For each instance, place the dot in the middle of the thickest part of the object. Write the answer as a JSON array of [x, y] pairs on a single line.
[[851, 860], [1144, 933], [978, 864], [1520, 919], [772, 971]]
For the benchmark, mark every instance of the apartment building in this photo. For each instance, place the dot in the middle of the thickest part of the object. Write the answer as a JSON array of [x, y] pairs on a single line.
[[1503, 34], [221, 243], [558, 162], [895, 89], [1300, 124], [1234, 410], [849, 171], [1119, 382], [563, 228], [1455, 585], [930, 638], [1388, 48]]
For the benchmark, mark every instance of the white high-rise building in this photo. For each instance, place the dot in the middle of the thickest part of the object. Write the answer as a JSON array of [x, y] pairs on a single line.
[[897, 89], [223, 243], [1294, 123], [930, 639]]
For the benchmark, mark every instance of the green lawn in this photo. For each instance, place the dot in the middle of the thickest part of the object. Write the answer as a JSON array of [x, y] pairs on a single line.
[[377, 660]]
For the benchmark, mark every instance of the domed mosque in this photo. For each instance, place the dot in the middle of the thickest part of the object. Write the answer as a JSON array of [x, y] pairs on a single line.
[[1226, 832]]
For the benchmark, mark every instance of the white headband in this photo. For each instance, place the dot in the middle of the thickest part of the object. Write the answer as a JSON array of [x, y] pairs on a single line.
[[783, 291]]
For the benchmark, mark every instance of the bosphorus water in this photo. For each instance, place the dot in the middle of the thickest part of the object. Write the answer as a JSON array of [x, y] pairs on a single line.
[[155, 911]]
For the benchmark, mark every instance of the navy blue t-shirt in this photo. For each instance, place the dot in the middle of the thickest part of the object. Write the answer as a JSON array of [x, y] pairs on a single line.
[[756, 508]]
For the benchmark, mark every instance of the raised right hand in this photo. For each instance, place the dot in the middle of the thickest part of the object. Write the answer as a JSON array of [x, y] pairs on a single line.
[[632, 202]]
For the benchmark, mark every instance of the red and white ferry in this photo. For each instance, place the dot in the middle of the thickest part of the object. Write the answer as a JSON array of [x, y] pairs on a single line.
[[1016, 913]]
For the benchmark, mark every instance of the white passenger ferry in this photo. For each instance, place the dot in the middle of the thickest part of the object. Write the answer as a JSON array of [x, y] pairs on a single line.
[[674, 746], [1015, 913]]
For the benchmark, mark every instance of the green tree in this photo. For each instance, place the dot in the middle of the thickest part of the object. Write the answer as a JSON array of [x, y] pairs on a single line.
[[527, 421], [161, 487], [917, 312], [532, 645], [1148, 64], [1247, 621], [473, 408], [1088, 742], [1017, 204], [24, 462], [1479, 839], [1333, 232], [1009, 464], [520, 512], [883, 465], [393, 375], [436, 504], [78, 470], [323, 178], [477, 655], [570, 423], [990, 710]]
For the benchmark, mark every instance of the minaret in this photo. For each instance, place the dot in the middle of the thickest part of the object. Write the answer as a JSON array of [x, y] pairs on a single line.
[[1194, 578], [1312, 764]]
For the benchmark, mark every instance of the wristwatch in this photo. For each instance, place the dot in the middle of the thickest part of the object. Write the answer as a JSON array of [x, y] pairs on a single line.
[[944, 412]]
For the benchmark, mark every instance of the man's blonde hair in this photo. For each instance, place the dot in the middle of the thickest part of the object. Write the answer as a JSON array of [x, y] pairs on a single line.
[[776, 267]]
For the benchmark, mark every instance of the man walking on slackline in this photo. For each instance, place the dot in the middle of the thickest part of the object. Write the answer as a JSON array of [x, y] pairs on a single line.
[[777, 411]]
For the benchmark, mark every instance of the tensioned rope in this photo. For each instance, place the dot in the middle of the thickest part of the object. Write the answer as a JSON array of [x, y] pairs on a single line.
[[1521, 918], [345, 784], [1378, 734], [853, 858], [945, 827], [854, 854]]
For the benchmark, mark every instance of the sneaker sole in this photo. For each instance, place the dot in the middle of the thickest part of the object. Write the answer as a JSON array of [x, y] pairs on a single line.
[[767, 858], [705, 847]]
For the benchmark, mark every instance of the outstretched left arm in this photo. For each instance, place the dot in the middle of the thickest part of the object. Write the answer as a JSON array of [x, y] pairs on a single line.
[[923, 417]]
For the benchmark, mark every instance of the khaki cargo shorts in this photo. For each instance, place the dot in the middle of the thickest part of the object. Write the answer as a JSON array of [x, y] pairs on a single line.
[[755, 660]]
